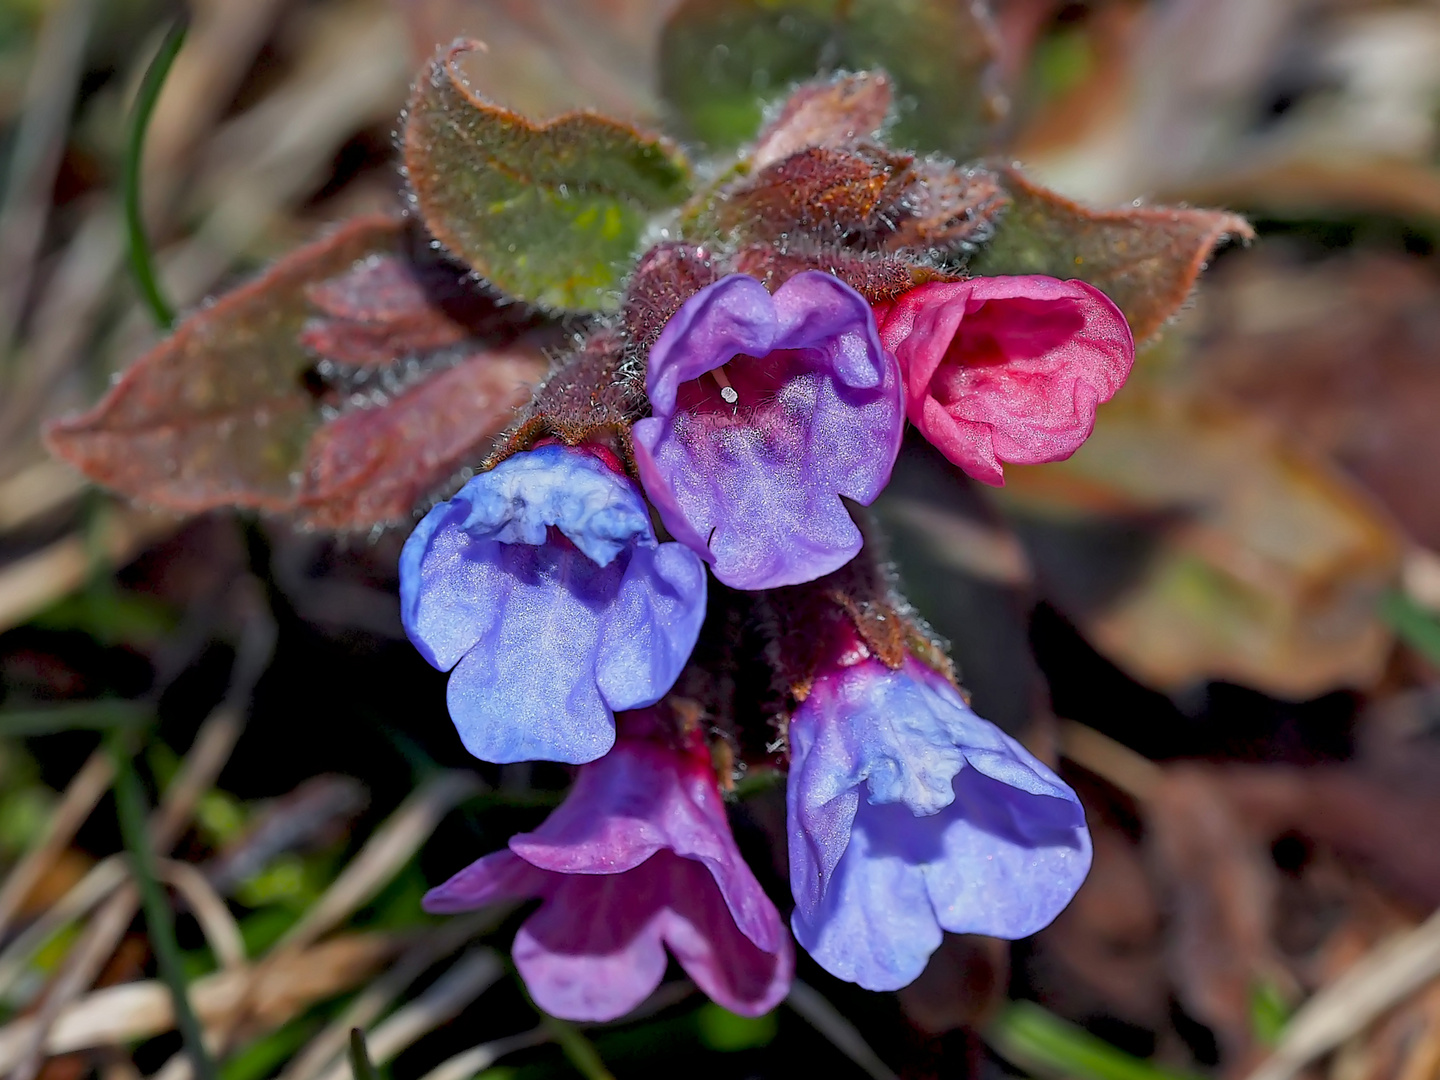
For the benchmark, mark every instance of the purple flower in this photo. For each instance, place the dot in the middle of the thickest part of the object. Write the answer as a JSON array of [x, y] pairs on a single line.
[[766, 411], [637, 858], [542, 584], [958, 828]]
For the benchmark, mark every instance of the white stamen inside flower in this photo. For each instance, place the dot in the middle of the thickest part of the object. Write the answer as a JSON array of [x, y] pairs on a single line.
[[728, 392]]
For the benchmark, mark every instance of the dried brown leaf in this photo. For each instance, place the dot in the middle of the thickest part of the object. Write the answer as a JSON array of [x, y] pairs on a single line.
[[1267, 570], [1220, 885], [1343, 357]]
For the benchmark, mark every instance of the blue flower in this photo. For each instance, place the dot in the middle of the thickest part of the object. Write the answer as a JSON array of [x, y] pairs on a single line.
[[543, 585], [958, 827]]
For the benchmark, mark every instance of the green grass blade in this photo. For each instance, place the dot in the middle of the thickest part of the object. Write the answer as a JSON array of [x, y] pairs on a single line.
[[360, 1065], [1034, 1039], [159, 918], [1415, 625], [142, 264], [104, 714], [579, 1050]]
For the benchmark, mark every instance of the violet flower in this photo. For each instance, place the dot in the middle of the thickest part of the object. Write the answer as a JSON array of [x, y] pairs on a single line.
[[1007, 368], [638, 857], [542, 584], [958, 827], [767, 410]]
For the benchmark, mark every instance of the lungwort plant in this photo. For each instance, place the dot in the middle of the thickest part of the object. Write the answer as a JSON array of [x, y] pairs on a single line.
[[642, 405]]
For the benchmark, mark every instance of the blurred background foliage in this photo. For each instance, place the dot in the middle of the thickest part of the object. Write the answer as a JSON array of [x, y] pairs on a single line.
[[1219, 617]]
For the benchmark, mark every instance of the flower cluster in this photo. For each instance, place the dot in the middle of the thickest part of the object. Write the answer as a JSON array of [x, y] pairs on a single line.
[[568, 615]]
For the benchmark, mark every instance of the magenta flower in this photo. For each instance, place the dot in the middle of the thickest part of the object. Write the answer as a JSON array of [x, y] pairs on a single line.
[[909, 815], [542, 584], [767, 410], [638, 857], [1007, 368]]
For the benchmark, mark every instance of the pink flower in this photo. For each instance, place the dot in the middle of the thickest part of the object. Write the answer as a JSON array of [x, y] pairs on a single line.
[[638, 857], [1006, 368]]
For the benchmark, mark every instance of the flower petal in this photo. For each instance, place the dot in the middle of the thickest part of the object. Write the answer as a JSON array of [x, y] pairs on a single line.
[[999, 851], [734, 315], [543, 581], [526, 690], [650, 627], [821, 799], [516, 502], [757, 489], [813, 309], [876, 926], [729, 967], [497, 877], [593, 951], [1007, 369], [1011, 859], [640, 799]]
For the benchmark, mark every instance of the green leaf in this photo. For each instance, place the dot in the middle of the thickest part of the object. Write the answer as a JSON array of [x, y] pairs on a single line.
[[131, 811], [723, 1030], [1035, 1039], [261, 1057], [360, 1066], [723, 61], [1145, 259], [549, 213], [1417, 626], [1269, 1012], [103, 714]]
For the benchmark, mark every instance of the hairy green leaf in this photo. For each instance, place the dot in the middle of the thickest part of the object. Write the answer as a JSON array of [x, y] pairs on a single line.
[[1145, 259], [550, 213], [723, 61]]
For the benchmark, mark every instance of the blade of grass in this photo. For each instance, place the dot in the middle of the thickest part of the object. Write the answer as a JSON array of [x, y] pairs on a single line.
[[1416, 626], [82, 793], [142, 263], [99, 715], [159, 918], [578, 1050], [825, 1018], [360, 1066], [1029, 1036]]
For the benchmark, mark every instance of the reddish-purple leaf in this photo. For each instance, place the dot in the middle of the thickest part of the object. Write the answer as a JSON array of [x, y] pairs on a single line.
[[389, 307], [377, 464], [667, 276], [227, 411], [372, 311], [1146, 260], [941, 207], [822, 192], [592, 395], [865, 197], [878, 278], [837, 113]]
